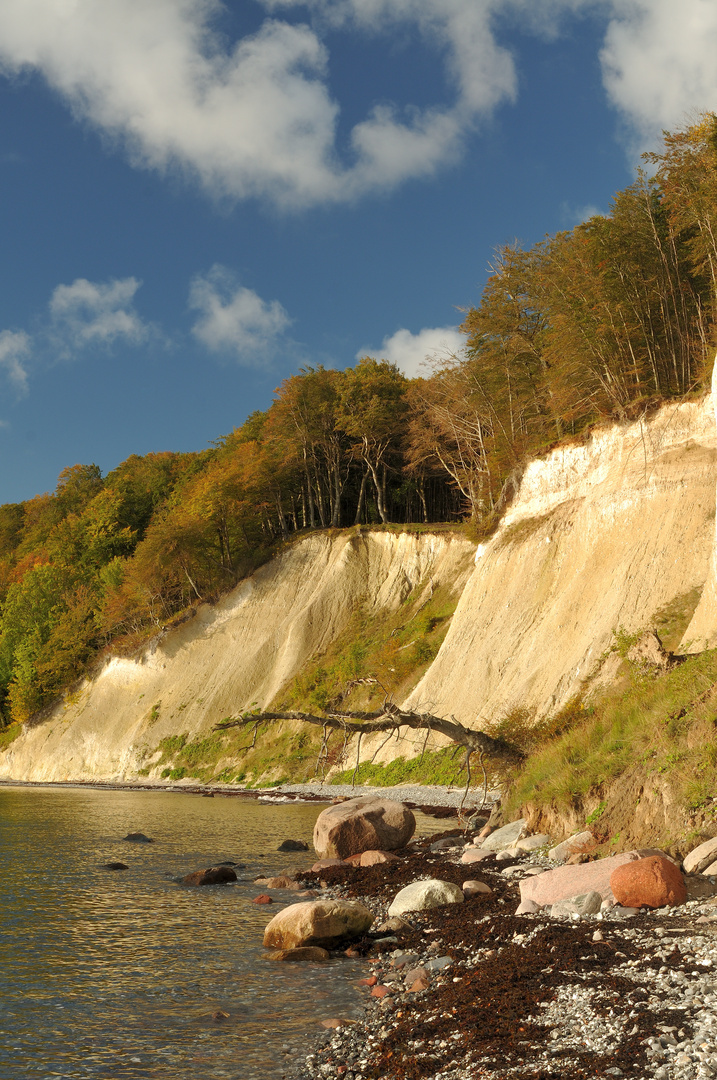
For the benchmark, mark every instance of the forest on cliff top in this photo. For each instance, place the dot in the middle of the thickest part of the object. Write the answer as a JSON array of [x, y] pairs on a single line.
[[602, 322]]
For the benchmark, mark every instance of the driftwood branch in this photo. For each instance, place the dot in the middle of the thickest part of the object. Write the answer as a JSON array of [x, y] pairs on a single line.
[[388, 719]]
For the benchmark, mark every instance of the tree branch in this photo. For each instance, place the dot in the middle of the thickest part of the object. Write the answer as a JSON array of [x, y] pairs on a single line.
[[389, 718]]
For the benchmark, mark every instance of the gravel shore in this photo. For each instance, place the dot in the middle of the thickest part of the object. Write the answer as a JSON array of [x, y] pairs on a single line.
[[419, 794], [533, 997]]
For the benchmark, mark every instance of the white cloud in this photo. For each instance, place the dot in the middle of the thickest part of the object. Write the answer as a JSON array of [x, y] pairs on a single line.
[[412, 353], [88, 312], [235, 319], [659, 64], [257, 118], [14, 352], [576, 215]]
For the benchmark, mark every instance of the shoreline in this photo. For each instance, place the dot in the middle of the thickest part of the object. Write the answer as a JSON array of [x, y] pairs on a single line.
[[513, 997], [411, 794]]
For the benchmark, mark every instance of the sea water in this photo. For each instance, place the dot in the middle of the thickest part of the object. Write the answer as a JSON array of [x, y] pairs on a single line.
[[119, 974]]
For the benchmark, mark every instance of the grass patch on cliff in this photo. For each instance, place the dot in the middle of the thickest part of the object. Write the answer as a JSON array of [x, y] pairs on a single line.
[[281, 754], [391, 650], [663, 724]]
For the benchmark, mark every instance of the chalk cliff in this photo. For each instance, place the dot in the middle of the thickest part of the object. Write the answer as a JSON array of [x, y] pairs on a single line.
[[603, 533], [234, 654]]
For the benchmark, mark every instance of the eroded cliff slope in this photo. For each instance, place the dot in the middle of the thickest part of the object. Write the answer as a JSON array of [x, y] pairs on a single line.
[[602, 535], [232, 655]]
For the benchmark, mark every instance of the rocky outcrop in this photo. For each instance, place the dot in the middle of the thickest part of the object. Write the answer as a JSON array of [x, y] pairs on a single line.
[[363, 824]]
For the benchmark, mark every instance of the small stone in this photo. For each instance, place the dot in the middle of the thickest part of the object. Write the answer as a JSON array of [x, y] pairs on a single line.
[[503, 856], [114, 866], [583, 904], [293, 845], [576, 844], [476, 888], [263, 898], [506, 836], [532, 843], [380, 991], [215, 875], [474, 855], [528, 907]]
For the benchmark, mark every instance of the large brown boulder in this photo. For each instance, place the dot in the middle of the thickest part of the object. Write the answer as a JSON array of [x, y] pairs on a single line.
[[317, 922], [363, 824], [652, 882]]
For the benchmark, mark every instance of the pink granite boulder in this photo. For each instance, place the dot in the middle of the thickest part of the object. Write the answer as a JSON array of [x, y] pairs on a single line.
[[364, 824], [567, 881]]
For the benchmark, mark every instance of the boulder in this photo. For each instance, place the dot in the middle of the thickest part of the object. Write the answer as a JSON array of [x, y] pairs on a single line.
[[423, 895], [138, 838], [476, 888], [652, 882], [588, 903], [293, 845], [567, 881], [323, 863], [532, 843], [373, 858], [363, 824], [114, 866], [574, 845], [215, 875], [317, 922], [505, 837], [474, 854], [301, 955], [701, 857], [281, 882], [527, 907], [396, 925]]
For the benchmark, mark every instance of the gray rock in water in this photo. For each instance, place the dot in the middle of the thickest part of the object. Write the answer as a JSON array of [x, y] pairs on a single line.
[[293, 845], [114, 866], [138, 838]]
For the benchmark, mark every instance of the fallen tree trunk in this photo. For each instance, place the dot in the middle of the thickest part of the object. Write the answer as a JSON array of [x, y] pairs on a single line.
[[388, 719]]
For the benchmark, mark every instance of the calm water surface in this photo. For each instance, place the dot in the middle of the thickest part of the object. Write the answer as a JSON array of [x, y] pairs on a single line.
[[116, 975]]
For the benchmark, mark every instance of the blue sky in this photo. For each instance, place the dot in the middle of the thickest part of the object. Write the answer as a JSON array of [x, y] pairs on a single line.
[[197, 198]]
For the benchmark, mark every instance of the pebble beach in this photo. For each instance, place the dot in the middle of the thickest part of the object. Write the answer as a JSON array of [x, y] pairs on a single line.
[[471, 989]]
